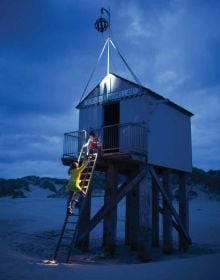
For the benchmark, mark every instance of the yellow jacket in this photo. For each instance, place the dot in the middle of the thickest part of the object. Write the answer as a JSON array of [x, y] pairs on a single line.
[[74, 181]]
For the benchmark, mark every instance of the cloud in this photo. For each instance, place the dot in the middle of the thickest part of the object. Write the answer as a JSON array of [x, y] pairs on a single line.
[[46, 168], [178, 60], [205, 126], [48, 49], [135, 25], [34, 145]]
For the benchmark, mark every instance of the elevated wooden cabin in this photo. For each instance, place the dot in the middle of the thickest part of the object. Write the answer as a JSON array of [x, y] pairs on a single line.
[[145, 137]]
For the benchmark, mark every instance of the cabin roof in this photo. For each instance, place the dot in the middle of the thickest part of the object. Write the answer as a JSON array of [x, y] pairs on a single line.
[[146, 91]]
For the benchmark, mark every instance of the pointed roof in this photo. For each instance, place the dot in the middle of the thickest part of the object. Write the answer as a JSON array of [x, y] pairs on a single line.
[[128, 87]]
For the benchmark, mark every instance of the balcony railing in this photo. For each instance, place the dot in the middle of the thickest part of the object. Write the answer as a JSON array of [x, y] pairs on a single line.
[[122, 138], [72, 143]]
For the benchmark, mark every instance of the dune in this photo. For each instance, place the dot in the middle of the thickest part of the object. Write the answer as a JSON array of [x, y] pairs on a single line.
[[30, 228]]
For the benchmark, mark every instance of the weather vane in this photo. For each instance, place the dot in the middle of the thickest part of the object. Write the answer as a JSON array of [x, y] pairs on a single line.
[[101, 23]]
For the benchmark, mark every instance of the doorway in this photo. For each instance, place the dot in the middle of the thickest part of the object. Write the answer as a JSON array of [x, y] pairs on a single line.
[[111, 120]]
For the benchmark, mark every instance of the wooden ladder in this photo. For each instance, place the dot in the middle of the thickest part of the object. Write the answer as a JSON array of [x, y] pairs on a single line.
[[69, 232]]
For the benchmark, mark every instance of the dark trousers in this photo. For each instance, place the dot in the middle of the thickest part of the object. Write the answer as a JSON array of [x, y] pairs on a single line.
[[79, 197]]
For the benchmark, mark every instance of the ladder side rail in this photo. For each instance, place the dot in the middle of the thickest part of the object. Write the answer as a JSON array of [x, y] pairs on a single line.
[[60, 238], [75, 237], [84, 140]]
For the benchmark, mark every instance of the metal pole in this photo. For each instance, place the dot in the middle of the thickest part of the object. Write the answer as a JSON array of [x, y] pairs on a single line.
[[109, 37], [108, 57], [126, 64], [93, 71]]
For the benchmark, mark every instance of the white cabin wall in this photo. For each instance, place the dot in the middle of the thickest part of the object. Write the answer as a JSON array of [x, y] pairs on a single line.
[[134, 110], [169, 138], [90, 117], [120, 84], [169, 131]]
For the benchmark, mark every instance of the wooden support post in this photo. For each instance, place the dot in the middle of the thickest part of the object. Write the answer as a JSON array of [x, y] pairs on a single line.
[[145, 219], [84, 222], [106, 209], [132, 218], [167, 215], [110, 220], [128, 212], [179, 224], [155, 214], [183, 211]]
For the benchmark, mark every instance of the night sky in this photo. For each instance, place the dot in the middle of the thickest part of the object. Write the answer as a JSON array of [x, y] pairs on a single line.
[[49, 47]]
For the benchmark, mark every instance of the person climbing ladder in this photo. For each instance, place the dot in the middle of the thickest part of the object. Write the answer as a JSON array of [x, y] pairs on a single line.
[[73, 186]]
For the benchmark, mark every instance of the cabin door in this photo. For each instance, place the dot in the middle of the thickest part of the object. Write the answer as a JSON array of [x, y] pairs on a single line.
[[111, 120]]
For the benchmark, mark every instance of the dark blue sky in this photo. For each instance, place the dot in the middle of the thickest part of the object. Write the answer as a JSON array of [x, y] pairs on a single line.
[[48, 48]]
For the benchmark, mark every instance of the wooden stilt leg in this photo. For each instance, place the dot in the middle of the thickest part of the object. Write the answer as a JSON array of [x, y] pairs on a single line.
[[110, 220], [145, 219], [183, 211], [167, 216], [132, 218], [128, 212], [155, 214], [84, 222]]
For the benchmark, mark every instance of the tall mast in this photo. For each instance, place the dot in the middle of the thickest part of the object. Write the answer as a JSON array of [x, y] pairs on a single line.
[[105, 11], [102, 24]]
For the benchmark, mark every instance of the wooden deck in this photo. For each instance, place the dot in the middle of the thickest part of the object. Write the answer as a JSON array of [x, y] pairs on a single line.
[[124, 162]]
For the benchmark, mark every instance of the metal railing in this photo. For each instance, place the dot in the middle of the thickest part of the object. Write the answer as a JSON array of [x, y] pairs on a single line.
[[131, 137], [73, 142]]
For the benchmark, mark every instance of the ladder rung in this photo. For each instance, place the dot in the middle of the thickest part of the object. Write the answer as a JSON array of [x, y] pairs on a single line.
[[66, 237], [73, 215], [71, 222], [85, 182]]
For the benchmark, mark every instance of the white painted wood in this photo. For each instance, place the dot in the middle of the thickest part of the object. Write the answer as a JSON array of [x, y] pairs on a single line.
[[169, 139]]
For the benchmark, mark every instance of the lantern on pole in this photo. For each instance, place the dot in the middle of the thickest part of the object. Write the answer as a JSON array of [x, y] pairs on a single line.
[[102, 24]]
